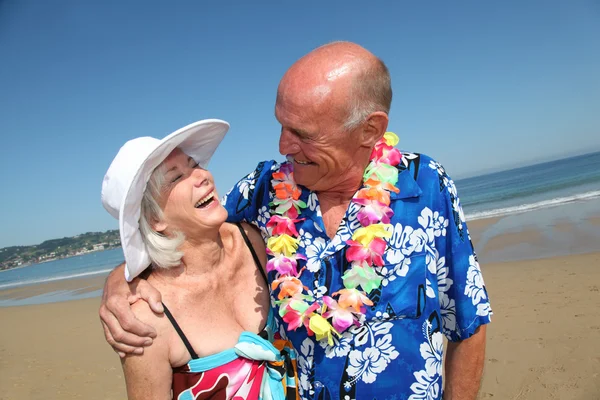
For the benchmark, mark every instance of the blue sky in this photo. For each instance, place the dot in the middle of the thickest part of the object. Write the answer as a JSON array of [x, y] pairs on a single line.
[[478, 85]]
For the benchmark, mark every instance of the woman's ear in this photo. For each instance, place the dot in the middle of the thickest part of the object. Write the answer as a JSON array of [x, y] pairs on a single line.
[[374, 128], [159, 227]]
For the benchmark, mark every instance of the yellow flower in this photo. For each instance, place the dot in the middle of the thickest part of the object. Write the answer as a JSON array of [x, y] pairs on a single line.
[[366, 234], [322, 328], [283, 244], [391, 139]]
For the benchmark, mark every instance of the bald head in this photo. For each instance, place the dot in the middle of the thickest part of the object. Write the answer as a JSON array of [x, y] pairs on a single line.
[[341, 76]]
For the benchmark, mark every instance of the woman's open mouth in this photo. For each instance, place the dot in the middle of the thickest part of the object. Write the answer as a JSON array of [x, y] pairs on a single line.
[[206, 200]]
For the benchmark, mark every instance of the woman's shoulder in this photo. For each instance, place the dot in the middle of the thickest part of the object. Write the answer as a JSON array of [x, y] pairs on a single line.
[[142, 311], [254, 236]]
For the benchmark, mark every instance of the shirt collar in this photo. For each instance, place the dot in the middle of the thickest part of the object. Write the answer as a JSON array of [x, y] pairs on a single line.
[[407, 185]]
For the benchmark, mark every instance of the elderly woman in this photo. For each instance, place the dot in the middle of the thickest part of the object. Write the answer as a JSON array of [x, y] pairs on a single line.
[[215, 339]]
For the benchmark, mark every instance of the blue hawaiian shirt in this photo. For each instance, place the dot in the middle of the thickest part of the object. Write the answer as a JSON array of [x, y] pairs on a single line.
[[432, 286]]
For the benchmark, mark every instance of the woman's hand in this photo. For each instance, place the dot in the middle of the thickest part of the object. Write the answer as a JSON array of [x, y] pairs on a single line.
[[122, 330]]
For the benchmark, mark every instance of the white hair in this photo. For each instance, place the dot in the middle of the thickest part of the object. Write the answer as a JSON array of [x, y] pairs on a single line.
[[163, 250], [371, 91]]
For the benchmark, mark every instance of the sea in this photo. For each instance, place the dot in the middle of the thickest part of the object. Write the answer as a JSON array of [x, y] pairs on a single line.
[[571, 182]]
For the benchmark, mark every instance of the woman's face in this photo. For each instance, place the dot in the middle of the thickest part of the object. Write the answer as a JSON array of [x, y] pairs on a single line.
[[188, 198]]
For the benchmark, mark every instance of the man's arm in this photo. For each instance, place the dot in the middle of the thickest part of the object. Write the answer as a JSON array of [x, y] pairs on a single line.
[[122, 330], [464, 301], [464, 366], [148, 376]]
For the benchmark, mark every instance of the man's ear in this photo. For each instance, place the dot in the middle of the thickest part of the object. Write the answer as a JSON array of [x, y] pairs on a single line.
[[374, 128]]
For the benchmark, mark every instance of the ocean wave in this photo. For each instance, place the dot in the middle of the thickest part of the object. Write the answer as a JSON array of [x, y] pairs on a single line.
[[52, 279], [499, 212]]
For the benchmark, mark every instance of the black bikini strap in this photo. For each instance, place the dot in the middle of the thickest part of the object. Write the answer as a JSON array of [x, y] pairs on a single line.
[[184, 339], [256, 259]]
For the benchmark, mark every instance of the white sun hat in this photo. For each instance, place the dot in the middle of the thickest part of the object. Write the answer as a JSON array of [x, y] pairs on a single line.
[[125, 181]]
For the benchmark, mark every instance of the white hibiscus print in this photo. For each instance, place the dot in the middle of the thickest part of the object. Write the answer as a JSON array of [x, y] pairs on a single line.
[[442, 272], [448, 310], [432, 352], [388, 352], [399, 239], [366, 365], [319, 291], [305, 366], [304, 237], [406, 239], [437, 166], [263, 215], [416, 242], [429, 289], [449, 184], [398, 267], [426, 387], [312, 201], [475, 286], [247, 184], [434, 224], [349, 224], [314, 251], [381, 315], [484, 309], [224, 199], [431, 259], [340, 348]]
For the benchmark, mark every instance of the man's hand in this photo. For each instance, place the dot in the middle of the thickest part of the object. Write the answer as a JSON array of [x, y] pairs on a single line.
[[123, 331], [464, 367]]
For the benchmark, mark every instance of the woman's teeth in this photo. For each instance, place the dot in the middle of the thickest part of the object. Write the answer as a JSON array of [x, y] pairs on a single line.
[[205, 199], [302, 162]]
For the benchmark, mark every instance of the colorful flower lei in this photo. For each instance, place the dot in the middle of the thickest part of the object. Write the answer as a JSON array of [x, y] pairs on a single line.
[[365, 249]]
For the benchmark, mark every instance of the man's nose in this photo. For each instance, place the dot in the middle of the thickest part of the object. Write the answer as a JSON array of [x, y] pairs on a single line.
[[288, 144]]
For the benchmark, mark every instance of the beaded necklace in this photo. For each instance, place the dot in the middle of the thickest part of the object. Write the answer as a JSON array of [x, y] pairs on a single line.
[[336, 313]]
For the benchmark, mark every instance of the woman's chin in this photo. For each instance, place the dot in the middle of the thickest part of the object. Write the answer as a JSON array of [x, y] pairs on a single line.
[[214, 217]]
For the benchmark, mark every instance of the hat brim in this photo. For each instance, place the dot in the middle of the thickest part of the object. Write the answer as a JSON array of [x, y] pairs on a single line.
[[198, 140]]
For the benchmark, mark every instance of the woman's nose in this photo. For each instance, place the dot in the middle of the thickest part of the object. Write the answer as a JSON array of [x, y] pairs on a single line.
[[200, 178], [201, 182]]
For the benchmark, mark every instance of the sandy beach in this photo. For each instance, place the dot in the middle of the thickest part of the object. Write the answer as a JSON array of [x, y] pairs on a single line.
[[543, 343]]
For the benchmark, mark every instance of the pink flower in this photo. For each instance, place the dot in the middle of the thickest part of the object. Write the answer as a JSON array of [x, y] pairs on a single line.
[[342, 318], [298, 313], [284, 265], [371, 254], [281, 225], [373, 211], [386, 154]]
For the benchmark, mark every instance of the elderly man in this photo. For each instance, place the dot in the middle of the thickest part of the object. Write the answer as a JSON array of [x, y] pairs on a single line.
[[371, 263]]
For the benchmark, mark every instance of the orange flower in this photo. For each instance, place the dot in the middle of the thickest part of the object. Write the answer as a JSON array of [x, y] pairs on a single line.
[[290, 286], [377, 193]]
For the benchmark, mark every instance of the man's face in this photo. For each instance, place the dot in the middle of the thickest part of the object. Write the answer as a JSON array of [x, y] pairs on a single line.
[[313, 136]]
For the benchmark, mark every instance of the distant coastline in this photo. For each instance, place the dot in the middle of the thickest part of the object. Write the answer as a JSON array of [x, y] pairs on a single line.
[[57, 249]]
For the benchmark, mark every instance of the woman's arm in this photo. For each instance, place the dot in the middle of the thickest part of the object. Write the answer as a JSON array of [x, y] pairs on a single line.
[[149, 375]]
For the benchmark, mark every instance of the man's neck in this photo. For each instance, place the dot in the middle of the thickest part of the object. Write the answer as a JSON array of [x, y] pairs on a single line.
[[334, 202], [333, 206]]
